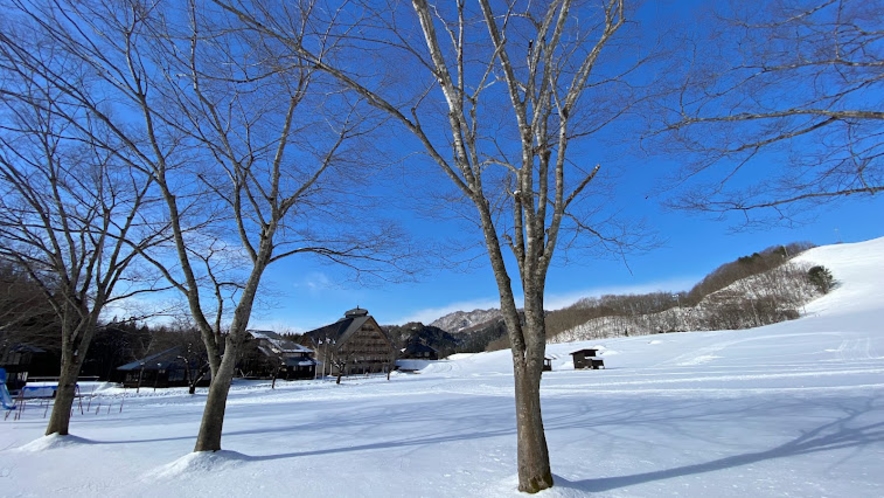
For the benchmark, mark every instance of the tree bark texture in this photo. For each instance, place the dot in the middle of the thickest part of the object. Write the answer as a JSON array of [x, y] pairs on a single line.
[[76, 338], [60, 419], [535, 473], [212, 425]]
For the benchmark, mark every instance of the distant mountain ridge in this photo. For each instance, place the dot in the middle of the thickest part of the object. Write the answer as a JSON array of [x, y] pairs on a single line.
[[461, 321], [473, 339]]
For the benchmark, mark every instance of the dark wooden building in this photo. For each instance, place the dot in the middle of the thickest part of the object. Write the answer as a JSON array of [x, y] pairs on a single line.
[[355, 344], [586, 358], [25, 361], [169, 368], [417, 350], [268, 355]]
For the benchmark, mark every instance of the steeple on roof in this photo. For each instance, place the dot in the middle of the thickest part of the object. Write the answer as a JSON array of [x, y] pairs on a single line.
[[356, 312]]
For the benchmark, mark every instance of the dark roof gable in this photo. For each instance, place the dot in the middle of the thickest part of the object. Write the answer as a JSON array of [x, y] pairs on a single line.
[[340, 331], [415, 347], [278, 343]]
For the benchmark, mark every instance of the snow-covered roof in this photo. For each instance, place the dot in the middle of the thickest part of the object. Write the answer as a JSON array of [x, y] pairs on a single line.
[[279, 344], [157, 361]]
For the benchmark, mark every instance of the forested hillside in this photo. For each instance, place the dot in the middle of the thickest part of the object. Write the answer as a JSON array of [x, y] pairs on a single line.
[[758, 289]]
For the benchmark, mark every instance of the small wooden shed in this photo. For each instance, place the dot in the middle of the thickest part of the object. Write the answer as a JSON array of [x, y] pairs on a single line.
[[586, 358]]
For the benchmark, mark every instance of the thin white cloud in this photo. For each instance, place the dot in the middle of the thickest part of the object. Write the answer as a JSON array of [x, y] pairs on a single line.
[[315, 282], [276, 325]]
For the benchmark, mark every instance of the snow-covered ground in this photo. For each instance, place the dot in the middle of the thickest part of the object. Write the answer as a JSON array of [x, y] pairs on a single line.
[[793, 409]]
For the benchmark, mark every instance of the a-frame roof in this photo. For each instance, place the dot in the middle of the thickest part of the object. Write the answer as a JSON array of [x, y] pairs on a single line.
[[340, 331]]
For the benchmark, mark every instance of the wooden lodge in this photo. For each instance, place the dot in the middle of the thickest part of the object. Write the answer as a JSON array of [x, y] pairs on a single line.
[[355, 344], [586, 358]]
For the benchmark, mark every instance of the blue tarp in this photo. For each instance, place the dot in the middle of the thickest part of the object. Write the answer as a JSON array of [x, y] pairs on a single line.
[[5, 398]]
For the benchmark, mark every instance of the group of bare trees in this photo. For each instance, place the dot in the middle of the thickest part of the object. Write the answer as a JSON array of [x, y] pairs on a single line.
[[72, 214], [152, 145], [587, 309], [742, 268], [189, 145]]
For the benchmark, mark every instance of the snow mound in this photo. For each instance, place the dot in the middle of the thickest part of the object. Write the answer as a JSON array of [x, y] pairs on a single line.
[[699, 360], [198, 463], [858, 269], [509, 486], [105, 386], [52, 442]]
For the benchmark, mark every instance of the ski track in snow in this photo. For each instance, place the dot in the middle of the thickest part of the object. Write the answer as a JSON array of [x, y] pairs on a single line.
[[791, 409]]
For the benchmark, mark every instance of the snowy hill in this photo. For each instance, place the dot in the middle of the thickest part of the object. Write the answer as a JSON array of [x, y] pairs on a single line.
[[859, 268], [772, 296], [791, 409]]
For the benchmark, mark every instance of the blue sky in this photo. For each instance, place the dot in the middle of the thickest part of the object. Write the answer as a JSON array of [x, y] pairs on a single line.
[[310, 295], [307, 295], [304, 294]]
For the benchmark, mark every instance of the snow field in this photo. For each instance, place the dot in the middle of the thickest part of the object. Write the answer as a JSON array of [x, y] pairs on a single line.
[[792, 409]]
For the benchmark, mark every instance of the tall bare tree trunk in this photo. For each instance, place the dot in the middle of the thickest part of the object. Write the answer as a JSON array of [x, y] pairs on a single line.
[[212, 425], [528, 346], [76, 337], [533, 455], [528, 352], [60, 419]]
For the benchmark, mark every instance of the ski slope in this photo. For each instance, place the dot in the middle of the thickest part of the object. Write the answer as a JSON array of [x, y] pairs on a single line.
[[792, 409]]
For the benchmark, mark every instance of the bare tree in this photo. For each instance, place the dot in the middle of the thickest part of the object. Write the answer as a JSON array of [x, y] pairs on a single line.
[[777, 112], [252, 163], [282, 153], [71, 215], [493, 97]]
